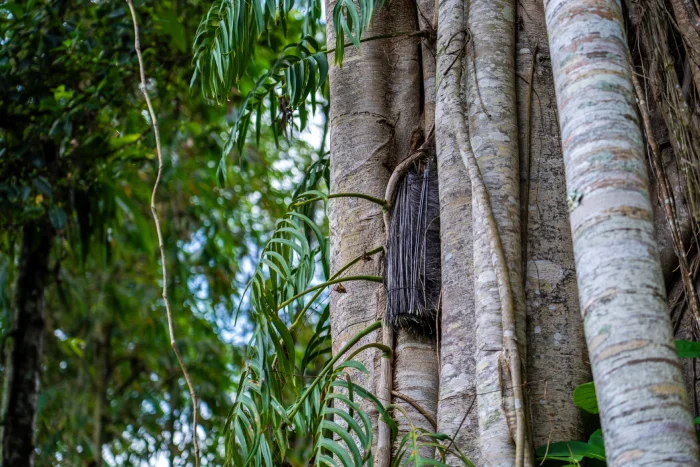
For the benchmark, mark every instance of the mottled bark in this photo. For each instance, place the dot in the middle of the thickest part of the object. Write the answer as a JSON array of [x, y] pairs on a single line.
[[416, 376], [641, 394], [457, 410], [557, 358], [24, 347], [493, 130]]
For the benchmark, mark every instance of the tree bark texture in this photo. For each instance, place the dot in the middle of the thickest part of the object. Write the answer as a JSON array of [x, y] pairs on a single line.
[[457, 408], [415, 365], [370, 131], [640, 388], [493, 130], [557, 357], [24, 349]]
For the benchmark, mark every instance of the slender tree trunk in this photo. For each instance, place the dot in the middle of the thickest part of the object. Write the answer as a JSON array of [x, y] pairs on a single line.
[[557, 357], [174, 401], [457, 408], [493, 132], [24, 349], [103, 371], [641, 394]]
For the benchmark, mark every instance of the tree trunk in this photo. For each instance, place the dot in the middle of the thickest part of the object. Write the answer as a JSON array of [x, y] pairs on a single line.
[[641, 394], [174, 401], [457, 409], [557, 357], [103, 371], [370, 131], [24, 349], [416, 362], [361, 135], [493, 131]]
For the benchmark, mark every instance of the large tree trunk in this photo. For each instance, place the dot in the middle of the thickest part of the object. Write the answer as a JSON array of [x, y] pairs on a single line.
[[557, 357], [643, 402], [24, 347], [416, 363]]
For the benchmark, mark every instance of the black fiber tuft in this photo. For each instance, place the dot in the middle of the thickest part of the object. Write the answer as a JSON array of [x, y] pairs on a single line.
[[413, 251]]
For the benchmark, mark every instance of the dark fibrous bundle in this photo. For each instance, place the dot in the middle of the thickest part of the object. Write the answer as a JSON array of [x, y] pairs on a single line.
[[413, 251]]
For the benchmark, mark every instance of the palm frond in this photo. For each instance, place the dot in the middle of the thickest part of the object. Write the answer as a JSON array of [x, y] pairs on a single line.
[[417, 439], [225, 45], [294, 393]]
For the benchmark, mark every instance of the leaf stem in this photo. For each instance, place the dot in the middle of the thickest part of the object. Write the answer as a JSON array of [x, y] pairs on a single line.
[[384, 36], [329, 366], [383, 203], [334, 276], [330, 282]]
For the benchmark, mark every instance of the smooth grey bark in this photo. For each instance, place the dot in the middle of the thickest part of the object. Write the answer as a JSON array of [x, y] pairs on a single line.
[[24, 347], [640, 388], [557, 357], [361, 140], [457, 408]]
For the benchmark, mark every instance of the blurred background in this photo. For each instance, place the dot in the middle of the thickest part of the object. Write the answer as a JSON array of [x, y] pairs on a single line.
[[77, 159]]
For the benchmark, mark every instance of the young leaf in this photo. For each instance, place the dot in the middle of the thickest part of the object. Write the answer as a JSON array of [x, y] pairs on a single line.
[[585, 398]]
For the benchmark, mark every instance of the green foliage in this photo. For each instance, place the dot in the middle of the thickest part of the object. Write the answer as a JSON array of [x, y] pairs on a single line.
[[291, 385], [574, 451], [295, 405], [228, 39], [408, 451], [585, 398], [297, 78], [688, 349], [77, 152], [295, 67]]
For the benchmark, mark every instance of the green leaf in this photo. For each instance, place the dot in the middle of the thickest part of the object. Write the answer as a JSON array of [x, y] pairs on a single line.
[[16, 9], [688, 349], [116, 143], [43, 185], [570, 451], [596, 438], [58, 217], [173, 27], [585, 398]]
